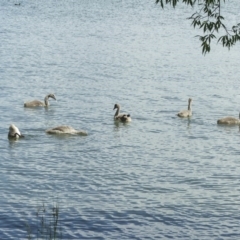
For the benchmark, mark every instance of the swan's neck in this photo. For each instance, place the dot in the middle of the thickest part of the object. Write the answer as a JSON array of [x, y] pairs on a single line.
[[189, 106], [46, 101], [117, 112]]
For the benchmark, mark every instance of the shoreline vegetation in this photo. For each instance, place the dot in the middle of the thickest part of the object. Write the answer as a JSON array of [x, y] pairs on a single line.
[[47, 224]]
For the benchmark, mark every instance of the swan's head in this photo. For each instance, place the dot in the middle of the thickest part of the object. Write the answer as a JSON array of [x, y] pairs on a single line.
[[189, 100], [51, 95], [116, 106]]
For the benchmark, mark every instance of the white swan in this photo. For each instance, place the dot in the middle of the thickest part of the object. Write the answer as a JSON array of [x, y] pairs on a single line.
[[188, 112], [37, 103], [229, 120], [66, 130], [123, 117], [14, 132]]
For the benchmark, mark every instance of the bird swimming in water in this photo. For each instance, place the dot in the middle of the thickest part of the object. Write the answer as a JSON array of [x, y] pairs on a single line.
[[14, 132], [66, 130], [123, 117], [188, 112], [37, 103], [229, 120]]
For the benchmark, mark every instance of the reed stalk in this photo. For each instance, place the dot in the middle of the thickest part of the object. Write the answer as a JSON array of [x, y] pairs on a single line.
[[47, 224]]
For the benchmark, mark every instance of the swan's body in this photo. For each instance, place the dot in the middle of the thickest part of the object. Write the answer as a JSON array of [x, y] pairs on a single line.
[[66, 130], [188, 112], [37, 103], [229, 120], [14, 132], [123, 117]]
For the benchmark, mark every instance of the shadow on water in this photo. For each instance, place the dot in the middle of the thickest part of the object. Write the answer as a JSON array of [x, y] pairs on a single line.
[[65, 135], [187, 120], [13, 142], [228, 127], [118, 125], [49, 110], [36, 109]]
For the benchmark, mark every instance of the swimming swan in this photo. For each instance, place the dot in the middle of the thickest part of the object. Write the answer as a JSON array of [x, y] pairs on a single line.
[[229, 120], [14, 132], [188, 112], [37, 103], [66, 130], [121, 117]]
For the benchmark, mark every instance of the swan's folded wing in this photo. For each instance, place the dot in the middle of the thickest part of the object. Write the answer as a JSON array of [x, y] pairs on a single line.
[[228, 120], [34, 103], [184, 113]]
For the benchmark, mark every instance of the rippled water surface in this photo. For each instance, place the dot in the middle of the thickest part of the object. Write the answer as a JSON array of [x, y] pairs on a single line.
[[159, 177]]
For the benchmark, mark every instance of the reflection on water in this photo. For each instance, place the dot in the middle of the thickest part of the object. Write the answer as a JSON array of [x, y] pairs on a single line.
[[120, 124], [12, 141], [228, 127]]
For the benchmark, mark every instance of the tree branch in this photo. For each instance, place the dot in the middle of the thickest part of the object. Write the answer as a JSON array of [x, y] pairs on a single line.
[[209, 19]]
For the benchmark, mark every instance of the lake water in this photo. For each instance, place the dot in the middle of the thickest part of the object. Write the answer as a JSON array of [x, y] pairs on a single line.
[[159, 177]]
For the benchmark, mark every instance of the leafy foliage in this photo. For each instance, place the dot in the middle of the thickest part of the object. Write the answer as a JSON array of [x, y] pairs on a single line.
[[208, 18]]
